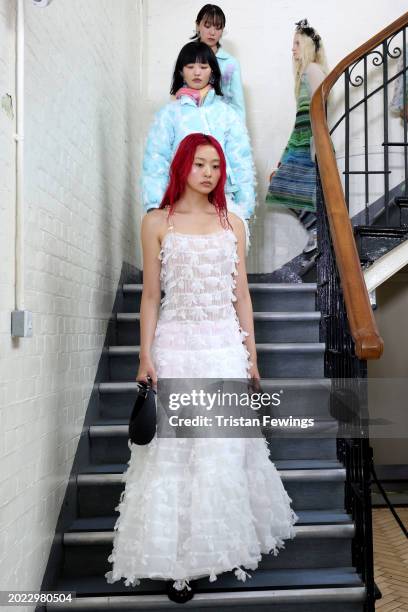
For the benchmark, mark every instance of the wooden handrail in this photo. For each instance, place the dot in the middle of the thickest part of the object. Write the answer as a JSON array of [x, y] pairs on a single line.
[[363, 328]]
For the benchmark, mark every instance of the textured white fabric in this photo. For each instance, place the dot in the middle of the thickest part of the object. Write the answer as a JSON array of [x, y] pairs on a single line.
[[199, 507]]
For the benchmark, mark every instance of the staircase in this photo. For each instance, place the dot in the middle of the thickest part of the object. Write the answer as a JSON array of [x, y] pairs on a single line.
[[388, 229], [315, 570]]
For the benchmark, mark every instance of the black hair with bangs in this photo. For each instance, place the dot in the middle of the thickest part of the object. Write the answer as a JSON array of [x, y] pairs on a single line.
[[212, 14], [190, 54]]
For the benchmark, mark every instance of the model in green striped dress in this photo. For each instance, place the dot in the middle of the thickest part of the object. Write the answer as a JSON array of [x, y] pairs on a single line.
[[293, 184]]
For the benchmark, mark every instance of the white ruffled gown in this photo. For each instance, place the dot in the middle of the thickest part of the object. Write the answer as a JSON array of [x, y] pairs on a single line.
[[198, 507]]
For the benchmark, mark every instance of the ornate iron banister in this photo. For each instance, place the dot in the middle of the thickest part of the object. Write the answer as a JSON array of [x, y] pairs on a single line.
[[348, 328], [368, 343]]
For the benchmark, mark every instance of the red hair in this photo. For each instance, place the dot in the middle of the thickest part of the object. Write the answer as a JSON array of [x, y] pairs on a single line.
[[180, 169]]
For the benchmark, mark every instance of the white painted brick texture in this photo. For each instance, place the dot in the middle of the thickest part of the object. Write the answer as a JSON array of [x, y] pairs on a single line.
[[82, 222]]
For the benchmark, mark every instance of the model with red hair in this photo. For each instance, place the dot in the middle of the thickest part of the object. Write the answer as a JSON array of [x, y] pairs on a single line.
[[181, 168], [197, 506]]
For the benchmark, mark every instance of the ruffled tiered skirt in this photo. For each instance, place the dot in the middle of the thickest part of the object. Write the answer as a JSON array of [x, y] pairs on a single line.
[[198, 507]]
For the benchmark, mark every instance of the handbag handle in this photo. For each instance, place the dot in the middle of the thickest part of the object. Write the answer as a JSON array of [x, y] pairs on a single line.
[[144, 387]]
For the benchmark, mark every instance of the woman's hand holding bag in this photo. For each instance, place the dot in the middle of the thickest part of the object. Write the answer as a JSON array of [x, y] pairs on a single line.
[[142, 424]]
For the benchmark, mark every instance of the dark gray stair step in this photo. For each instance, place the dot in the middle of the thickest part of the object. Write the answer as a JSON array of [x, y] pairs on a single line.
[[118, 426], [269, 327], [299, 397], [314, 546], [285, 360], [306, 517], [265, 296], [277, 579], [98, 494], [298, 475], [290, 464], [109, 443], [337, 599], [107, 448], [373, 241]]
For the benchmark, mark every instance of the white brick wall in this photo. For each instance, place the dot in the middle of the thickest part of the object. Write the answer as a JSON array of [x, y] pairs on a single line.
[[83, 87]]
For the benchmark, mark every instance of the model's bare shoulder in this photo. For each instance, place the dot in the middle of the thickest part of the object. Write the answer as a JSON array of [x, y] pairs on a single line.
[[237, 224], [154, 224]]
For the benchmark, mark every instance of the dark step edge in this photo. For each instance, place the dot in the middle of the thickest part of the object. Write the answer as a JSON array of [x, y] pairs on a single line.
[[270, 287], [282, 347], [334, 517], [128, 317], [295, 383], [105, 538], [229, 598]]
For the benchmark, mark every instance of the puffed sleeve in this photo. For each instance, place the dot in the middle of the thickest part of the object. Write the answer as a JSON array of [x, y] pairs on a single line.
[[239, 157], [237, 93], [157, 158]]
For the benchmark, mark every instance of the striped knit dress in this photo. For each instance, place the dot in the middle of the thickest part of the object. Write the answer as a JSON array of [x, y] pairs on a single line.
[[294, 183]]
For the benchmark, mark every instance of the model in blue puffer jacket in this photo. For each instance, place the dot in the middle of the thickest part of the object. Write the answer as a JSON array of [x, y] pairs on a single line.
[[199, 107]]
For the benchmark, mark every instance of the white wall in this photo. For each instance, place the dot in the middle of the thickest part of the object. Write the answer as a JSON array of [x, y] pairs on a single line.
[[82, 159], [390, 315], [261, 38]]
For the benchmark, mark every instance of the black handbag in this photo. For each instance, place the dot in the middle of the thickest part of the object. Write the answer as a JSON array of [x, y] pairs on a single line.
[[142, 424]]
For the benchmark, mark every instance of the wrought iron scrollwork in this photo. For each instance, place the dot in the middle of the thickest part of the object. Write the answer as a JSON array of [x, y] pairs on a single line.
[[358, 80], [376, 61], [397, 51]]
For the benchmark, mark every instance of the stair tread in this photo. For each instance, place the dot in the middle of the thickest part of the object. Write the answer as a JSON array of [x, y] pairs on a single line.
[[278, 287], [280, 464], [374, 230], [288, 579], [284, 347], [309, 475], [310, 531], [272, 315], [306, 517], [124, 422], [286, 383]]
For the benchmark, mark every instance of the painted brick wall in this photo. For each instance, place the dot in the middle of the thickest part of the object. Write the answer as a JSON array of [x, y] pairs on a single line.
[[82, 221]]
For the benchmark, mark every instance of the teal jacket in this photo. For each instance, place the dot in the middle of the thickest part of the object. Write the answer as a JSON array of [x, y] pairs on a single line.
[[231, 81], [182, 117]]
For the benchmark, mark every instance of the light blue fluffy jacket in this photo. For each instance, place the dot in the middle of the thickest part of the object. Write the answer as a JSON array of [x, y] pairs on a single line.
[[182, 117]]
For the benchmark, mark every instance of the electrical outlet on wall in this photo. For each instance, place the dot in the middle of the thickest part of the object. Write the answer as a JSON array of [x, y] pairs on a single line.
[[22, 323]]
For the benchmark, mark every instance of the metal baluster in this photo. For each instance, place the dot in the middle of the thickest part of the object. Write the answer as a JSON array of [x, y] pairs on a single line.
[[386, 149], [405, 107], [347, 136], [342, 366], [366, 185]]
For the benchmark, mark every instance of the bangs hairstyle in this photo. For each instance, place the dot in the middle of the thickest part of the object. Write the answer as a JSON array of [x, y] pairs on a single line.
[[211, 14], [181, 166], [191, 53]]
